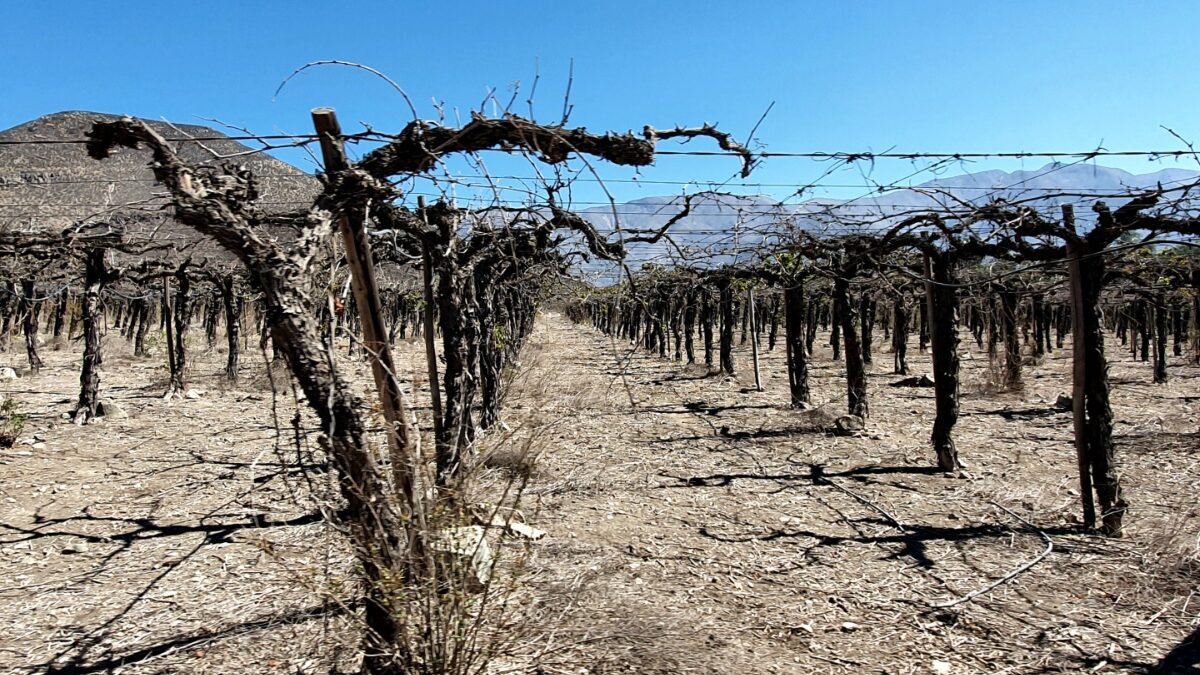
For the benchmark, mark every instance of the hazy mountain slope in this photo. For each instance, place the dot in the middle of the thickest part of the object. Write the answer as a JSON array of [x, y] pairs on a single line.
[[722, 228], [46, 184]]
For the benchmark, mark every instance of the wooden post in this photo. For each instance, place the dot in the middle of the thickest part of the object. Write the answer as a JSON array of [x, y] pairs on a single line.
[[403, 442], [753, 338], [169, 320], [930, 306], [1079, 373]]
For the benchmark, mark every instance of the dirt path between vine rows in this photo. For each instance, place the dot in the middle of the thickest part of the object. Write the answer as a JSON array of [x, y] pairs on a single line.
[[718, 531], [694, 524]]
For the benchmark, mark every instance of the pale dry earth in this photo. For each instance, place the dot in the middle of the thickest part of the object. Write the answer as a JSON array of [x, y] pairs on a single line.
[[694, 524]]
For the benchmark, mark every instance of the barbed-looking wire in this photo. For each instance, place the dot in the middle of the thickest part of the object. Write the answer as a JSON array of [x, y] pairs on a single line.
[[756, 232], [840, 155]]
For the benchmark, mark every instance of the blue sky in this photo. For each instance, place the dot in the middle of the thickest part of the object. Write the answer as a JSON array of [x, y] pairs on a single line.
[[844, 76]]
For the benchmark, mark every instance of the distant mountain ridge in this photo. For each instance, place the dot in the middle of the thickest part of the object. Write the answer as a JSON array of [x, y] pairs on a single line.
[[724, 229], [51, 186]]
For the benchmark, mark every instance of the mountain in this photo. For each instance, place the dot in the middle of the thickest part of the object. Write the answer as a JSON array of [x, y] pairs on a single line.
[[722, 229], [48, 182]]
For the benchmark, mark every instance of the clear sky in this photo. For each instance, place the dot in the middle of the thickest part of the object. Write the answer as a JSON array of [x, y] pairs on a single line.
[[959, 75]]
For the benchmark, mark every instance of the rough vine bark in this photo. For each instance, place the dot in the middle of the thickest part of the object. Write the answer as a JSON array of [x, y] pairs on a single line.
[[1160, 339], [29, 323], [867, 324], [96, 275], [942, 305], [706, 323], [60, 315], [900, 318], [143, 324], [794, 337], [232, 302], [689, 326], [1012, 343], [180, 316], [856, 374], [1092, 408], [727, 323]]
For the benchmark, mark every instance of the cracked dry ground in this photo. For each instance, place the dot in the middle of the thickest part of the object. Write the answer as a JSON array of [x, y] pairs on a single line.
[[705, 528]]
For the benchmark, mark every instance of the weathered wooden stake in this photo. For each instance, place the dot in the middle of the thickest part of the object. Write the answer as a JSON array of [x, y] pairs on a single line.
[[169, 319], [402, 441], [753, 338]]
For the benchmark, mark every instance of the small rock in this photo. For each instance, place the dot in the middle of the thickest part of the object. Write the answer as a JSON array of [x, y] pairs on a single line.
[[38, 446], [466, 548], [847, 425], [849, 626], [194, 393], [111, 409], [79, 547], [1064, 402], [941, 667], [8, 374], [922, 381]]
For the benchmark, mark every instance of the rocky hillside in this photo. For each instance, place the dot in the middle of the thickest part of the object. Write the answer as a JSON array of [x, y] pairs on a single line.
[[48, 184]]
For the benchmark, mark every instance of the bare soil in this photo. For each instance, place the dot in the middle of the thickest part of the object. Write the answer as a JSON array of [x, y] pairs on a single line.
[[695, 524]]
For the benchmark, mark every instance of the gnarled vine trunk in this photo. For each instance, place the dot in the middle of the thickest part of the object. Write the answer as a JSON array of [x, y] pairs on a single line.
[[706, 323], [29, 323], [727, 323], [233, 324], [1160, 339], [794, 337], [942, 305], [95, 276], [900, 318], [1012, 341], [856, 374]]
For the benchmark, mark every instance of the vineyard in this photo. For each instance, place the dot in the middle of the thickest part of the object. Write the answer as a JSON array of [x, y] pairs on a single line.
[[258, 420]]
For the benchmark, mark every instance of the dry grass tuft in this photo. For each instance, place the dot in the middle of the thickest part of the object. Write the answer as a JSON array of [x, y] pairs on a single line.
[[1171, 550], [518, 462]]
